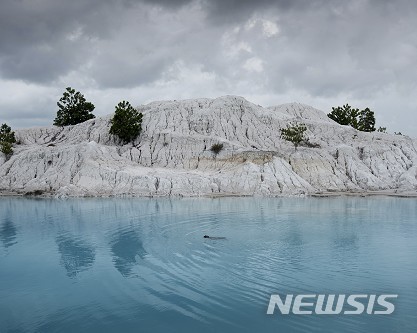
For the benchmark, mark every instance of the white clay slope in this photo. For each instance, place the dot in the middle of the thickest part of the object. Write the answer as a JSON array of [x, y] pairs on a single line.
[[172, 155]]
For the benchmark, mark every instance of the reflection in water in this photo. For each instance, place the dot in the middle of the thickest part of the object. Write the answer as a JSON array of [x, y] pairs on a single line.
[[8, 233], [76, 256], [150, 269], [126, 247]]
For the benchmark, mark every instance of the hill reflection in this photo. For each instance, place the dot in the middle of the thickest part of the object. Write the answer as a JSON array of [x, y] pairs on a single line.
[[8, 233], [126, 248], [76, 255]]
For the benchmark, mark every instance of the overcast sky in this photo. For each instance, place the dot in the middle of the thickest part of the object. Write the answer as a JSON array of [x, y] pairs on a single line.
[[321, 53]]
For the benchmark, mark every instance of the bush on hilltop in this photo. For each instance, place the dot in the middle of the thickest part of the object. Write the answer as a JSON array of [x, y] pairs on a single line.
[[73, 109], [126, 122], [363, 120]]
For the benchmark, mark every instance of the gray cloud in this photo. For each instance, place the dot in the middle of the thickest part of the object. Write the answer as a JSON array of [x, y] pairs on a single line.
[[232, 11], [39, 39], [168, 3], [318, 51]]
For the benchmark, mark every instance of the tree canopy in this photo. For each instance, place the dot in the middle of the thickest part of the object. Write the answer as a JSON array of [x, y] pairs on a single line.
[[7, 139], [363, 120], [126, 122], [344, 115], [366, 121], [73, 109]]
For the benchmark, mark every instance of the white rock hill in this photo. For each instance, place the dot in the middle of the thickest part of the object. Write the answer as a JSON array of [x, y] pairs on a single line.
[[172, 155]]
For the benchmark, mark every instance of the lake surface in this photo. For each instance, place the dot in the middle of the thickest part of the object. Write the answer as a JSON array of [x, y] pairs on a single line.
[[142, 265]]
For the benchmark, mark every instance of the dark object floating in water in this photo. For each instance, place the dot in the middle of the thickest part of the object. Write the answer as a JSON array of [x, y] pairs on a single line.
[[205, 236]]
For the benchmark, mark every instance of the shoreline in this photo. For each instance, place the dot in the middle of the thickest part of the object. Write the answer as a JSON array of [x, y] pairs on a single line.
[[390, 193], [324, 194]]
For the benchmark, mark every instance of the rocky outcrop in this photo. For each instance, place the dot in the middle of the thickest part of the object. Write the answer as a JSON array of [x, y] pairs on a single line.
[[172, 155]]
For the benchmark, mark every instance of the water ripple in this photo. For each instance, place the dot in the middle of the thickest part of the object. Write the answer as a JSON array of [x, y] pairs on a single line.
[[143, 264]]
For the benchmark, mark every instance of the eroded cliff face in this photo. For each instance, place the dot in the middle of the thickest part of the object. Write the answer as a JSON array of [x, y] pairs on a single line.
[[172, 155]]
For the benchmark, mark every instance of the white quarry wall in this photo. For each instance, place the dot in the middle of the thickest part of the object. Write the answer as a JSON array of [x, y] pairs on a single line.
[[172, 155]]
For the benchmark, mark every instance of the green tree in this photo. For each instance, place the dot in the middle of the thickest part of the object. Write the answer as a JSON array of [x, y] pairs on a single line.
[[363, 120], [366, 121], [344, 115], [126, 122], [73, 109], [294, 133], [7, 138]]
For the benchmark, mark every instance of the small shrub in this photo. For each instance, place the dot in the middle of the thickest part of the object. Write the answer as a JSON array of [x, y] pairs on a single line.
[[216, 148], [126, 123], [6, 148], [294, 133]]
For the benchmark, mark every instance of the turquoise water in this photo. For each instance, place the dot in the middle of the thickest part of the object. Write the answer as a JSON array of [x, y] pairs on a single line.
[[142, 265]]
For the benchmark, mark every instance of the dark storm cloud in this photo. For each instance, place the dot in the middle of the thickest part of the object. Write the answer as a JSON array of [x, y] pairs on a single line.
[[42, 40], [168, 3], [36, 36], [230, 11], [46, 39], [320, 49]]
